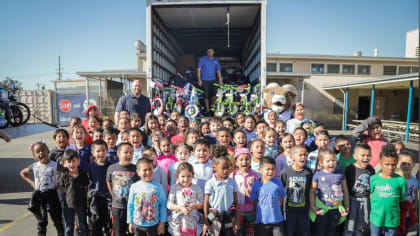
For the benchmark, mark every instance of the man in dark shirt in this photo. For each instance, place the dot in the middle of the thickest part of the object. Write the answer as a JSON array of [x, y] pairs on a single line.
[[133, 102]]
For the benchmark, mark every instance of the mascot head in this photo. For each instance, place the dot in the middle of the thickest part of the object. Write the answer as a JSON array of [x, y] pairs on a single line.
[[279, 98]]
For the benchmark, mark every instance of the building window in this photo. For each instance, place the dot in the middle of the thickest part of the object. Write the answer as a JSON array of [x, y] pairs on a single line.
[[333, 69], [286, 67], [317, 68], [363, 70], [414, 69], [403, 70], [390, 70], [348, 69], [272, 67]]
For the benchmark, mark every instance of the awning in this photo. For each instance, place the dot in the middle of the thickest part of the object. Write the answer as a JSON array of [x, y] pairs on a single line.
[[130, 75], [389, 82]]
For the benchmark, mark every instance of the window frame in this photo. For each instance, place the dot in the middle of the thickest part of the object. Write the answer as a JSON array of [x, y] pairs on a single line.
[[406, 67], [363, 65], [274, 63], [318, 64], [396, 69], [286, 63], [348, 73], [339, 69]]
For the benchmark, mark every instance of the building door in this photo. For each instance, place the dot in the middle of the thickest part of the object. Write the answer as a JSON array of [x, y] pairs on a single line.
[[364, 108]]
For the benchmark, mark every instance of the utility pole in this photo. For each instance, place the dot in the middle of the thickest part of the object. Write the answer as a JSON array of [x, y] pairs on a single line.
[[59, 69]]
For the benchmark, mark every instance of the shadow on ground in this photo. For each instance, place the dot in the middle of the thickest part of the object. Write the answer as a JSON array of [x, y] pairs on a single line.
[[5, 221], [26, 130], [10, 180], [19, 201]]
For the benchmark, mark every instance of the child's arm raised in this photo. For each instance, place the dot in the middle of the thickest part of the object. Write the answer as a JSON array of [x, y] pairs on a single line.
[[24, 174], [312, 193], [358, 131]]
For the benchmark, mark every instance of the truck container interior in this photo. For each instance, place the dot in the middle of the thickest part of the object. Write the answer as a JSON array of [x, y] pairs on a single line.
[[232, 30]]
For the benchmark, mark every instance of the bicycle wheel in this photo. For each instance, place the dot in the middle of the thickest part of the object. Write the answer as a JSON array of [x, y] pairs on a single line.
[[26, 112], [158, 104], [220, 110], [16, 116], [233, 109], [191, 111]]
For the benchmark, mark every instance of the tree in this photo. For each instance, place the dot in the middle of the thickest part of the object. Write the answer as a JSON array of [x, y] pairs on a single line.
[[8, 82]]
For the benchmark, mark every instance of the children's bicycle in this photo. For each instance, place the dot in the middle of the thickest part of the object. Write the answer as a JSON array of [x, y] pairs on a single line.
[[255, 97], [246, 105], [179, 104], [219, 107], [157, 102], [232, 107], [228, 105], [192, 110], [170, 103]]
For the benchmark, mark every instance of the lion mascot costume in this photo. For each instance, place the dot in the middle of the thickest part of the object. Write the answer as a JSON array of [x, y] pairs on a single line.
[[279, 99]]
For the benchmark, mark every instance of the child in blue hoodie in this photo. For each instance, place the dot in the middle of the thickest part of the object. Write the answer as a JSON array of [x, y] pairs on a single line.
[[146, 208]]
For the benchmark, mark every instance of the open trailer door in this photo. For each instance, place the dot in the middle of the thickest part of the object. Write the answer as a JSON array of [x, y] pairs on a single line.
[[235, 29]]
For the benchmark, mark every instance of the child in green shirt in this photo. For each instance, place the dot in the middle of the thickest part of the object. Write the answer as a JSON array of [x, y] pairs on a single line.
[[343, 146], [387, 190]]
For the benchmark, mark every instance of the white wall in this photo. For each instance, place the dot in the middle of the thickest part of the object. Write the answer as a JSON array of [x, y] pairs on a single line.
[[412, 43]]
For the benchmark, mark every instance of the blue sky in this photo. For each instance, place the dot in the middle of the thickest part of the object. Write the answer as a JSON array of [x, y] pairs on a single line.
[[96, 35]]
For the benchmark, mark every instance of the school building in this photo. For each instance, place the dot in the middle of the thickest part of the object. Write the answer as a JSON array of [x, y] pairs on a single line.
[[321, 81], [326, 82], [312, 75]]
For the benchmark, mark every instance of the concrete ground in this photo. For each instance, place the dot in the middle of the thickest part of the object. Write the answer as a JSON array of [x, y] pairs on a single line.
[[15, 193]]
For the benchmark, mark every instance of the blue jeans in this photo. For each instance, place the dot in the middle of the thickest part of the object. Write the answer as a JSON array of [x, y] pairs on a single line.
[[378, 231], [69, 219]]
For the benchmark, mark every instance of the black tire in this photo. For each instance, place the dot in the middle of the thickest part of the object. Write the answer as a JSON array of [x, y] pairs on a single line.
[[16, 116], [26, 112]]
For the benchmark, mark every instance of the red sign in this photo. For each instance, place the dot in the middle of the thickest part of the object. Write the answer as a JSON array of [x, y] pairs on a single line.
[[65, 105]]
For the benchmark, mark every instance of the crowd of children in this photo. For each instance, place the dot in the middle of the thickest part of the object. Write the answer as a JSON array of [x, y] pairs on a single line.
[[242, 176]]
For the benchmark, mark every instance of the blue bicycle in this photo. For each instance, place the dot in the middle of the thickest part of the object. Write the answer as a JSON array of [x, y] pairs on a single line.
[[192, 110]]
